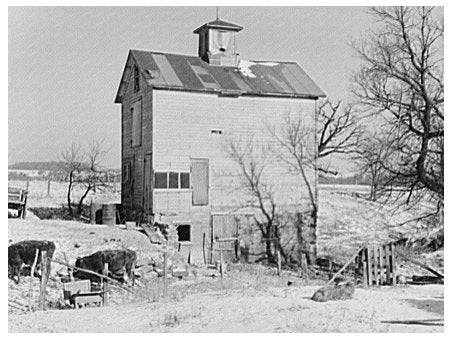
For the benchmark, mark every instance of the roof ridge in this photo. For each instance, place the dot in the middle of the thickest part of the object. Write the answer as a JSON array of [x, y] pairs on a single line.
[[274, 61], [166, 53]]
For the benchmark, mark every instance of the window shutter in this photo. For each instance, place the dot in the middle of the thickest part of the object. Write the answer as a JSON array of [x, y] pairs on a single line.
[[200, 181], [136, 124]]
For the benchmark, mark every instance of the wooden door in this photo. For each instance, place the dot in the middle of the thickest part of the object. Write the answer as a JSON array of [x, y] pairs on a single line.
[[224, 233]]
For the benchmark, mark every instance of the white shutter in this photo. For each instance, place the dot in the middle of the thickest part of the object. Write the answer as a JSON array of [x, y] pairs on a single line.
[[200, 181]]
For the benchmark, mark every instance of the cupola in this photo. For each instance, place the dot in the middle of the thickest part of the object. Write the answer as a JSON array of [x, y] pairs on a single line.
[[217, 43]]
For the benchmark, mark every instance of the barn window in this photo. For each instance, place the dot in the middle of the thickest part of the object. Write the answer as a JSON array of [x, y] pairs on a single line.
[[184, 180], [161, 180], [126, 172], [173, 180], [136, 79], [136, 123], [184, 232]]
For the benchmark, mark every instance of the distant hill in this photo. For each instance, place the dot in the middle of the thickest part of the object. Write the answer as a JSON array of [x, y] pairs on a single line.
[[42, 166], [36, 166]]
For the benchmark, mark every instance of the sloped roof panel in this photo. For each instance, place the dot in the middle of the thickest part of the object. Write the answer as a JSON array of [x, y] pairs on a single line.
[[167, 71], [191, 73], [263, 81], [184, 71], [223, 76], [240, 81], [274, 75], [307, 83]]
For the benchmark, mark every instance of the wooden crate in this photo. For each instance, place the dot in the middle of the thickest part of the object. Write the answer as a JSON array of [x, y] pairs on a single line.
[[377, 265], [79, 293]]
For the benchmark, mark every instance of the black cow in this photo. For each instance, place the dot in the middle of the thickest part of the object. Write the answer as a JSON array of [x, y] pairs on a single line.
[[119, 262], [23, 254]]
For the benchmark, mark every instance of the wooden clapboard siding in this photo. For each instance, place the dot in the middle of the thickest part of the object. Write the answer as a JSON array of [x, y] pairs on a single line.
[[132, 192], [183, 124]]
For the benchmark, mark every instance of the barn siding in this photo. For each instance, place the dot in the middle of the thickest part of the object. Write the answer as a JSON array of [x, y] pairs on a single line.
[[182, 130], [132, 192]]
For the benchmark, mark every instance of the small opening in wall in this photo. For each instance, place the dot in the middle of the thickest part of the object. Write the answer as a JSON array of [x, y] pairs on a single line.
[[184, 232], [216, 131]]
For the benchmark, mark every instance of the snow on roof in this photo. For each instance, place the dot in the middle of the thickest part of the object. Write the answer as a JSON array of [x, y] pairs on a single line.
[[244, 67]]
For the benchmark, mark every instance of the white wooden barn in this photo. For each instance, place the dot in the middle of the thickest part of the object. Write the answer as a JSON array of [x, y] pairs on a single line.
[[178, 113]]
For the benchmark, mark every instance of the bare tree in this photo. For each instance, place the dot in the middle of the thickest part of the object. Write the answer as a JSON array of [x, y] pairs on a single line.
[[94, 175], [253, 161], [82, 169], [338, 131], [371, 156], [402, 79], [71, 162], [299, 154]]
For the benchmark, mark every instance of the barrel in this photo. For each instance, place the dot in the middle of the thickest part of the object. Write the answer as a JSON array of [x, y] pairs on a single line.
[[109, 214]]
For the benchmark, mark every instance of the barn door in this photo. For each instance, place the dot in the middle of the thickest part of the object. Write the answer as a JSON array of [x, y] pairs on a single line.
[[147, 189], [200, 181], [224, 232]]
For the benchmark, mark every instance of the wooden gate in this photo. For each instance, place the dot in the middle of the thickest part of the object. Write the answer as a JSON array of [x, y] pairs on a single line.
[[224, 237], [377, 265]]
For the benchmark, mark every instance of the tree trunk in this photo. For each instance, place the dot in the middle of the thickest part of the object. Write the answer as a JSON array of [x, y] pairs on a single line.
[[300, 247], [268, 250], [306, 234], [80, 203], [311, 238], [69, 190]]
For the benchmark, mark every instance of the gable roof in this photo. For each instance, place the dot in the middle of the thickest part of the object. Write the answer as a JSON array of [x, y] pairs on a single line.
[[251, 78]]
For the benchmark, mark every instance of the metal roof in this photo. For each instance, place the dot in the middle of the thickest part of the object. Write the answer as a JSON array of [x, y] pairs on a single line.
[[219, 24], [251, 78]]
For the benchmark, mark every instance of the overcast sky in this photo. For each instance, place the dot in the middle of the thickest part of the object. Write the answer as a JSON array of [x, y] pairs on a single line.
[[65, 63]]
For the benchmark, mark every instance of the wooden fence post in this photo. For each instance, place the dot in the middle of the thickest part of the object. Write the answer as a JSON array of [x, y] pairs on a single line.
[[381, 263], [165, 274], [369, 265], [105, 299], [48, 188], [44, 277], [69, 270], [364, 266], [212, 259], [204, 248], [375, 264], [278, 262], [393, 265], [388, 265], [221, 264], [304, 265], [32, 273]]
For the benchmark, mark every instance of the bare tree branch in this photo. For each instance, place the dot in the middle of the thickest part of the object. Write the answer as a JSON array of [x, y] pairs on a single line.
[[402, 79]]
